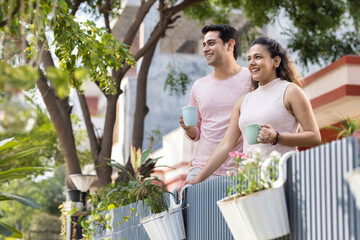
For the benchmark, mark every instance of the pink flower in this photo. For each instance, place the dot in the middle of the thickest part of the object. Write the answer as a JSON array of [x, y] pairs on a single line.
[[356, 134], [238, 154]]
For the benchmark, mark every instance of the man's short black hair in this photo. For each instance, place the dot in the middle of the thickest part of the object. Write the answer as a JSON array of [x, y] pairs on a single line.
[[226, 33]]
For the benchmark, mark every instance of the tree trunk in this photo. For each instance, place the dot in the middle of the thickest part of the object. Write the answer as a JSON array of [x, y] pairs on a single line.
[[141, 109], [104, 171], [63, 127]]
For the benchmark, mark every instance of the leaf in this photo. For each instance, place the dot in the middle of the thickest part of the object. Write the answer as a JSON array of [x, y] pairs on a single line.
[[111, 206], [145, 155], [7, 143], [20, 155], [123, 169], [24, 76], [125, 218], [138, 160], [10, 173], [14, 176], [81, 75], [102, 206], [111, 191], [21, 199], [5, 229], [60, 81], [107, 217], [85, 224], [133, 157]]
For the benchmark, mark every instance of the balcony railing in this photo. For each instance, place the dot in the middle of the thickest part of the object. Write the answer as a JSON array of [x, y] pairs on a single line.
[[320, 205]]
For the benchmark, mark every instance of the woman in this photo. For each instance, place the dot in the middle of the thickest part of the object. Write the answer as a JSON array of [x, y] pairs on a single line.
[[277, 102]]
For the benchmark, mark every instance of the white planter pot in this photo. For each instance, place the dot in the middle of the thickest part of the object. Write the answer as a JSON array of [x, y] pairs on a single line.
[[165, 225], [260, 215], [353, 178]]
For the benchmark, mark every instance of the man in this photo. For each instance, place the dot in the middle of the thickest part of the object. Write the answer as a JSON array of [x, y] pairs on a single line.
[[215, 95]]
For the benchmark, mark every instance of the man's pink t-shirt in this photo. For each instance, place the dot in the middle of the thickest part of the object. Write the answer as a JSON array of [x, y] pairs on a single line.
[[215, 100]]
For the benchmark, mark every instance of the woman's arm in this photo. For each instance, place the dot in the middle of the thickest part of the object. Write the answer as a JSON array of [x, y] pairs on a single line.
[[297, 102], [221, 152]]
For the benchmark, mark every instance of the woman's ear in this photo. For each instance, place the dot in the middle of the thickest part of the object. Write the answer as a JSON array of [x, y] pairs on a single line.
[[277, 61]]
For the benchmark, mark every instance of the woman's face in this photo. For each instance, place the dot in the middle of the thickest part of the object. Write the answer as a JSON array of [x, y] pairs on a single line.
[[262, 67]]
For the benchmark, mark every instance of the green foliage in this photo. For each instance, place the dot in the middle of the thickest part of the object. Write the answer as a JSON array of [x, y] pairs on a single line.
[[92, 8], [208, 11], [16, 173], [95, 48], [17, 78], [44, 134], [347, 127], [139, 185], [176, 81], [316, 31], [247, 179], [48, 193], [82, 49], [17, 115], [154, 137], [45, 223], [59, 80]]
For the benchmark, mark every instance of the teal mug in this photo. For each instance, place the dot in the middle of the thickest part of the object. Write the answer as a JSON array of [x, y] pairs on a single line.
[[252, 132]]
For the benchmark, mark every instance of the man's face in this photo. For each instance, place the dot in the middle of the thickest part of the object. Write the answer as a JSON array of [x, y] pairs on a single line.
[[214, 49]]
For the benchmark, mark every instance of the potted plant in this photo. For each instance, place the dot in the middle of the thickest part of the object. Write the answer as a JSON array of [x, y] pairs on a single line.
[[255, 207], [162, 223], [168, 224], [134, 185]]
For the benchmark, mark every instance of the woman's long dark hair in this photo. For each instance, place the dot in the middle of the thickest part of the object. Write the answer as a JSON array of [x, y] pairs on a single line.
[[286, 70]]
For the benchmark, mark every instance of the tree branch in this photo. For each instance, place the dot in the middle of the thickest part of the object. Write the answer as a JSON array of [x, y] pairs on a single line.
[[3, 23], [46, 56], [184, 4], [76, 6], [94, 145], [105, 9], [140, 15], [157, 33]]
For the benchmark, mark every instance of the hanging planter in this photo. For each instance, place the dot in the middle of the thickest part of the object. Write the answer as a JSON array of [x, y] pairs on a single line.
[[353, 178], [167, 225], [261, 214]]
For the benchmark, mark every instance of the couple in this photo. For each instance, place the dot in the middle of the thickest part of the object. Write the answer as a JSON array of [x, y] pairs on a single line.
[[232, 96]]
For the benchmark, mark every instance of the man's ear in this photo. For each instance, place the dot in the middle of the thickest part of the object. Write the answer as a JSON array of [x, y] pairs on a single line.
[[277, 61], [231, 43]]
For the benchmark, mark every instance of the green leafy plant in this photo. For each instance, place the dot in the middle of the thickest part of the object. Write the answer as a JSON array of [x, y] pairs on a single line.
[[347, 127], [134, 184], [176, 81], [246, 179], [17, 173]]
